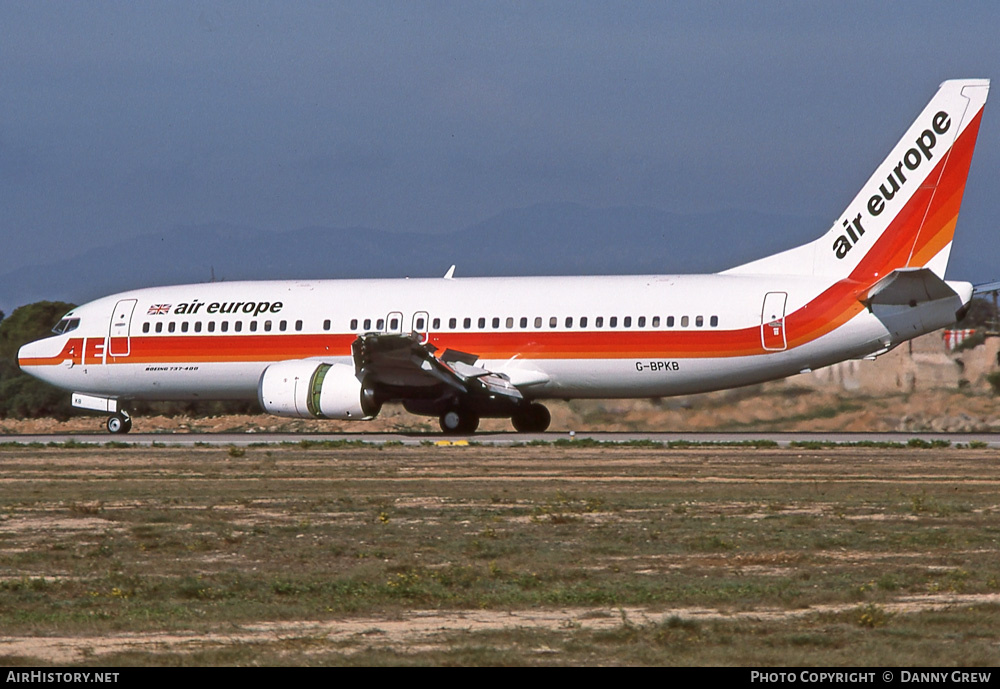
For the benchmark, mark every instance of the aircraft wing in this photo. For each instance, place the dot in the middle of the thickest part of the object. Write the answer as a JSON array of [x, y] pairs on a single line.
[[404, 361]]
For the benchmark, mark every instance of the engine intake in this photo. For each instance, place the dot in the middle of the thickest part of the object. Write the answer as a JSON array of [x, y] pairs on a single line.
[[316, 390]]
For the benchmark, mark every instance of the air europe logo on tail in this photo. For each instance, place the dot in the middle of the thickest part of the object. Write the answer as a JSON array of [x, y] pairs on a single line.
[[911, 160]]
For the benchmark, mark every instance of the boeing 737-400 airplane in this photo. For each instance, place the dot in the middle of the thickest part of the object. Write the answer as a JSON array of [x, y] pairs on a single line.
[[465, 348]]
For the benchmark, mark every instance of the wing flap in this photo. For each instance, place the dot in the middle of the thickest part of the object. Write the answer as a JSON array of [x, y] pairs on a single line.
[[405, 361]]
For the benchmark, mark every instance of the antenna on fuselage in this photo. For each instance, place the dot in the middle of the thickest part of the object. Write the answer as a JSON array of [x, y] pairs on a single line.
[[450, 275]]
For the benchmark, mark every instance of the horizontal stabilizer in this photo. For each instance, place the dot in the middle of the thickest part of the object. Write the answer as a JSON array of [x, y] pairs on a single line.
[[913, 301], [908, 287], [987, 287]]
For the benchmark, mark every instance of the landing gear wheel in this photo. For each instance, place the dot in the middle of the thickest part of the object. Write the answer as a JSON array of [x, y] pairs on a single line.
[[119, 423], [534, 418], [458, 421]]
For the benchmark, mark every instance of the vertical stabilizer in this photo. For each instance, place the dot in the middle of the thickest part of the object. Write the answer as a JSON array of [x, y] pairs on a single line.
[[905, 214]]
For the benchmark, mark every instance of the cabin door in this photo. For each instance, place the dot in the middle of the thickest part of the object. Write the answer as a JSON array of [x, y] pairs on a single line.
[[119, 342], [772, 321]]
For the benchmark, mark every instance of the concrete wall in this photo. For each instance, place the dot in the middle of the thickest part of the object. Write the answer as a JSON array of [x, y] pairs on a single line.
[[921, 364]]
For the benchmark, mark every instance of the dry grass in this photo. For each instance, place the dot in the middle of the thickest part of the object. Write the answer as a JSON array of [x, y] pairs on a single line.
[[475, 555]]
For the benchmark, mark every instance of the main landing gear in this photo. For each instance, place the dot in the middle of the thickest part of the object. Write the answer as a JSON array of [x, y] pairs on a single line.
[[119, 422], [529, 418], [459, 421], [534, 418]]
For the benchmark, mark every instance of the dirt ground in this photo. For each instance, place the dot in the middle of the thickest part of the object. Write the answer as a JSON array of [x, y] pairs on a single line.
[[422, 629], [904, 531]]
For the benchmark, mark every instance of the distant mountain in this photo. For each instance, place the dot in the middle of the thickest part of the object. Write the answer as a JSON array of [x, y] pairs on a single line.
[[545, 239]]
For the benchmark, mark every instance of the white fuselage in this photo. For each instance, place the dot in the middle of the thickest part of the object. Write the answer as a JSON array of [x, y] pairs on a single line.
[[568, 337]]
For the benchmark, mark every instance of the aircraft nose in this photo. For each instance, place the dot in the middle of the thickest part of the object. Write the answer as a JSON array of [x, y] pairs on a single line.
[[28, 353], [38, 354]]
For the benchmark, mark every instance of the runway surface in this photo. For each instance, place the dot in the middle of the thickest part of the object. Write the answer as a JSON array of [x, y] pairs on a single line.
[[990, 440]]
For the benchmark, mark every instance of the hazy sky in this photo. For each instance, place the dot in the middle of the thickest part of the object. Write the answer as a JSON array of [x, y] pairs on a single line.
[[122, 118]]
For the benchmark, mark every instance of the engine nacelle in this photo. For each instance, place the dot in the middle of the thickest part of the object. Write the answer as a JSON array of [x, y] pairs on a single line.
[[315, 390]]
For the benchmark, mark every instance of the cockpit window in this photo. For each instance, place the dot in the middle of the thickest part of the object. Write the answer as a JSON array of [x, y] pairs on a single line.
[[66, 325]]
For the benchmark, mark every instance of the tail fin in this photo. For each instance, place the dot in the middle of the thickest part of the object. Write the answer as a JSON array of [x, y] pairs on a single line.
[[905, 214]]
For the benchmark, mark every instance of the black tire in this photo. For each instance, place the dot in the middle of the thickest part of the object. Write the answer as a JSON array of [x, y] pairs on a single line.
[[534, 418], [118, 424], [459, 422]]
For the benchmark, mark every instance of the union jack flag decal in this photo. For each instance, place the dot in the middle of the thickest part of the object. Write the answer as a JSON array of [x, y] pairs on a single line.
[[158, 309]]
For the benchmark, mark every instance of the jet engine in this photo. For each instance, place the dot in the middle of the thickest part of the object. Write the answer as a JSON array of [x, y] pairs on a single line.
[[314, 389]]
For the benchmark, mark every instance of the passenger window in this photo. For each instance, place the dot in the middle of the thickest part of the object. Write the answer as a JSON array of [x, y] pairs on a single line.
[[368, 324], [380, 324], [145, 328], [282, 325], [699, 321], [496, 323], [171, 326], [510, 322], [482, 323], [211, 326], [642, 321], [267, 326], [452, 323], [656, 321], [613, 322], [394, 324], [670, 321], [467, 323], [569, 321], [538, 321], [714, 321], [159, 327], [184, 327], [253, 326], [627, 322], [238, 326], [599, 322], [684, 321], [583, 321], [420, 324], [553, 322], [224, 326], [197, 326], [524, 321], [436, 324]]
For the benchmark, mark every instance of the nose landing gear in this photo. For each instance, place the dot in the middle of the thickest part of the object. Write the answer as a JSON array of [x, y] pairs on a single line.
[[119, 422]]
